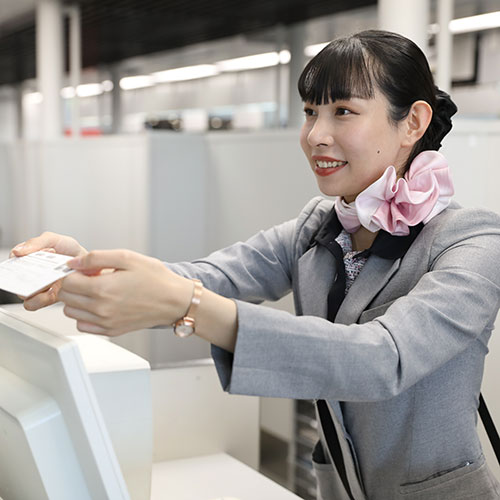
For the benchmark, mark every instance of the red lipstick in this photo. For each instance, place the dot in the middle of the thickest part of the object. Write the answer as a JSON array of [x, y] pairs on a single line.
[[321, 168]]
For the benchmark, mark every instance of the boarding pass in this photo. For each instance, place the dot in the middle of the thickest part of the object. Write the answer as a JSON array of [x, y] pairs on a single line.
[[32, 273]]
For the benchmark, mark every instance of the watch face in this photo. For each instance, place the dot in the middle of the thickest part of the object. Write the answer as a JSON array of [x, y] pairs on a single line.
[[184, 330]]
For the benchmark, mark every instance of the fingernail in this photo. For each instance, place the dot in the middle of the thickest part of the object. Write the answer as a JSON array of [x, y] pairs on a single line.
[[20, 246], [74, 263]]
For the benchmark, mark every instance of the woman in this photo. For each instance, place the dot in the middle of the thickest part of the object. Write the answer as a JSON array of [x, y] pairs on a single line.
[[396, 287]]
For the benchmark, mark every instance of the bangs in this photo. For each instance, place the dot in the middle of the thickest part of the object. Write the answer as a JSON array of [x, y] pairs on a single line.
[[339, 71]]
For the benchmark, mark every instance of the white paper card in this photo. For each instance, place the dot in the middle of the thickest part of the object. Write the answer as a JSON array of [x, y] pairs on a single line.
[[28, 275]]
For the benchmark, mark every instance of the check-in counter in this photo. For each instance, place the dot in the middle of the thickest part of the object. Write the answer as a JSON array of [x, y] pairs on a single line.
[[172, 423]]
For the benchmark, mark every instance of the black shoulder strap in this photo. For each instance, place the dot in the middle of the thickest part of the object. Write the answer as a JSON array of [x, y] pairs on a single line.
[[489, 426], [332, 441]]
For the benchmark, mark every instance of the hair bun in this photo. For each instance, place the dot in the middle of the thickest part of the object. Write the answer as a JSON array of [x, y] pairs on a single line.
[[441, 121]]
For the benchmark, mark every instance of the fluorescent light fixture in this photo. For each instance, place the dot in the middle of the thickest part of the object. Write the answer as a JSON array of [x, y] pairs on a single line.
[[84, 90], [285, 56], [185, 73], [254, 62], [68, 92], [107, 85], [89, 89], [136, 82], [33, 98], [475, 23], [312, 50]]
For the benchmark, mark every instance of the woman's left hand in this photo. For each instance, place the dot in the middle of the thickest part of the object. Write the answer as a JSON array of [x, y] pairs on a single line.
[[118, 291]]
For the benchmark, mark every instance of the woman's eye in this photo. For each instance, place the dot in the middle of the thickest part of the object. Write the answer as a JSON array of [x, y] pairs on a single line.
[[309, 112], [342, 111]]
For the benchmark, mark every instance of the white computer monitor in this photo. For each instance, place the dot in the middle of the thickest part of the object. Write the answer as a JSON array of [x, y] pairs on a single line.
[[54, 443]]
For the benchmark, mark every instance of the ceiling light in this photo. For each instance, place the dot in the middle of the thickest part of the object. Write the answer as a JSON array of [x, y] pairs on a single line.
[[136, 82], [67, 92], [107, 85], [249, 62], [312, 50], [285, 56], [33, 98], [185, 73], [89, 89], [84, 90], [475, 23]]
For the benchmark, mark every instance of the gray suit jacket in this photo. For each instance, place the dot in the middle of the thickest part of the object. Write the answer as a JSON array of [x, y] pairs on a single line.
[[405, 355]]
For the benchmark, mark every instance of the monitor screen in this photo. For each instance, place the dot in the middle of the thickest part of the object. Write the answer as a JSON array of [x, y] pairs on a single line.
[[54, 443]]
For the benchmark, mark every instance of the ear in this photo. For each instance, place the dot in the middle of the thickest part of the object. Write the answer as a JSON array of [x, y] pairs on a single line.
[[416, 122]]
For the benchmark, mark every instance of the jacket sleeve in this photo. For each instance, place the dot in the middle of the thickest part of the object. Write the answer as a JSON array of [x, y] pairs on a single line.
[[452, 306], [256, 270]]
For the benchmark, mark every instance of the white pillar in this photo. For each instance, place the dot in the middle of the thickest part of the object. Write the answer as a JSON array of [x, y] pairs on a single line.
[[444, 45], [49, 65], [407, 17], [296, 42], [75, 64]]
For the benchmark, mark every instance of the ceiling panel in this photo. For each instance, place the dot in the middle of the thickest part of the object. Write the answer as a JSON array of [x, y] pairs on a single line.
[[113, 30]]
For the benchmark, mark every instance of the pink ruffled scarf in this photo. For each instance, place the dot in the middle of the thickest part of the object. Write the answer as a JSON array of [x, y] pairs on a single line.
[[395, 204]]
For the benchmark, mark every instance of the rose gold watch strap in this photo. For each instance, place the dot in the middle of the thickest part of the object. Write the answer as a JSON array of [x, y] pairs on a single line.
[[195, 301]]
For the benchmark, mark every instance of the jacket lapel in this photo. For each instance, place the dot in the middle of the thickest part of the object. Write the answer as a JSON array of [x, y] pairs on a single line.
[[316, 272], [372, 278]]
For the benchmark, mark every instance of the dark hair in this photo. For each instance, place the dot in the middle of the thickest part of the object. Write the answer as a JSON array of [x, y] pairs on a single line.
[[356, 65]]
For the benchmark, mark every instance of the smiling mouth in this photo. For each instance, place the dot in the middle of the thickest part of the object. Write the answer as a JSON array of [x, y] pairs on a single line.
[[329, 164]]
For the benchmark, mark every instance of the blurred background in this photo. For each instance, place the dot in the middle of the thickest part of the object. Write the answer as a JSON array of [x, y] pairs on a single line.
[[235, 62], [171, 128]]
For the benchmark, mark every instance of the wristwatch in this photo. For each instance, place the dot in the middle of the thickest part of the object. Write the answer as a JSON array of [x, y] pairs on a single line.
[[185, 326]]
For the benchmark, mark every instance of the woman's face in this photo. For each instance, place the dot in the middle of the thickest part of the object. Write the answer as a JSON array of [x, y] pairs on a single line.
[[350, 143]]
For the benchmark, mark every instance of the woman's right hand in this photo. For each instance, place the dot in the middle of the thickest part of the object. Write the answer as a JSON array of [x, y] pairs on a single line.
[[51, 242]]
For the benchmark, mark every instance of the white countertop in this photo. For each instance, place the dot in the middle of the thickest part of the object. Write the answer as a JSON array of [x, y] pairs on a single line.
[[98, 353], [213, 477]]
